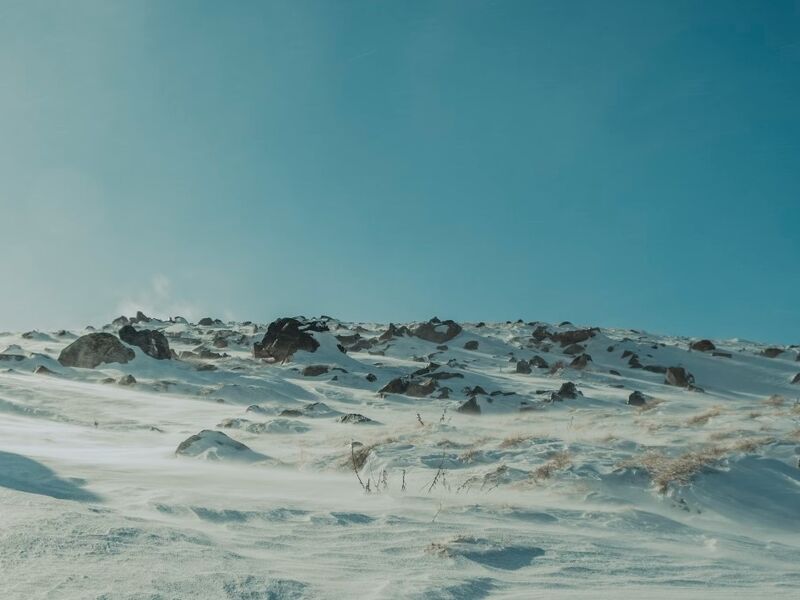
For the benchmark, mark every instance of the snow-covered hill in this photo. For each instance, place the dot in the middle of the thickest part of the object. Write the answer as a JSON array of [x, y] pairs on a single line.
[[429, 460]]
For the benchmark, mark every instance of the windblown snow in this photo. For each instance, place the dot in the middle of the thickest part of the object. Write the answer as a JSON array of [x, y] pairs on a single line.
[[425, 460]]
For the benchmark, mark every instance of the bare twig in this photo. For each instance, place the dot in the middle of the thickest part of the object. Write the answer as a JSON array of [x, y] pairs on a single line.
[[355, 467]]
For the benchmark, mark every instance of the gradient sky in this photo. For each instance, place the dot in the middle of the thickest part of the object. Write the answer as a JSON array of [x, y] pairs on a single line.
[[611, 163]]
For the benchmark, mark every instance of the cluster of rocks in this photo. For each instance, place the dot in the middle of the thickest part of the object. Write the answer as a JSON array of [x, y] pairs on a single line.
[[93, 349]]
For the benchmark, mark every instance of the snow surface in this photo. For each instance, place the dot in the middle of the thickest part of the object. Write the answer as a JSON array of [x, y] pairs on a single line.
[[694, 495]]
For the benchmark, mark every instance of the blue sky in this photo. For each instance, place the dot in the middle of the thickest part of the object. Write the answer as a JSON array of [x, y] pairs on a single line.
[[611, 163]]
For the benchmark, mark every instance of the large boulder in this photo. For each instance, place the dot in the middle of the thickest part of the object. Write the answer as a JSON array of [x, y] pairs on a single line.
[[772, 352], [315, 370], [581, 361], [286, 336], [703, 346], [637, 399], [436, 331], [796, 378], [575, 336], [470, 407], [152, 342], [524, 367], [410, 386], [215, 445], [679, 377], [567, 391], [93, 349]]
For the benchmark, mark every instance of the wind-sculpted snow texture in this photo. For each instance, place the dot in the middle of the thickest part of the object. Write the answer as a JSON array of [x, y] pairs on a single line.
[[511, 460]]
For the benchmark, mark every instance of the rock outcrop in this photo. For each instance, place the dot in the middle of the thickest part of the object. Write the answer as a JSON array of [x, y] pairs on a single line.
[[93, 349], [703, 346], [679, 377], [151, 342], [437, 331], [286, 336]]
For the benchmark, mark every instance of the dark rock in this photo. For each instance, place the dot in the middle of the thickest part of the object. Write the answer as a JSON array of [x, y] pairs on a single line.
[[395, 386], [655, 368], [421, 389], [354, 418], [290, 412], [581, 362], [471, 345], [152, 342], [436, 331], [637, 399], [220, 343], [540, 333], [470, 407], [206, 367], [703, 346], [615, 372], [348, 340], [127, 380], [524, 367], [567, 391], [315, 370], [120, 321], [42, 370], [444, 348], [286, 336], [444, 375], [722, 354], [10, 357], [679, 377], [206, 322], [772, 352], [140, 318], [634, 362], [371, 378], [393, 332], [539, 363], [573, 349], [796, 378], [627, 353], [362, 344], [576, 336], [426, 370], [477, 390], [410, 387], [93, 349], [208, 437]]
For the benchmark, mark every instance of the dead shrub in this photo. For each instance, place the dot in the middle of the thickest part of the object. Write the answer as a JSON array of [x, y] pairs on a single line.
[[557, 462]]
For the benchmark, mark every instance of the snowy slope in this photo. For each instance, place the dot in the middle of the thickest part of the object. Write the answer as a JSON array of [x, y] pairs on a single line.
[[695, 493]]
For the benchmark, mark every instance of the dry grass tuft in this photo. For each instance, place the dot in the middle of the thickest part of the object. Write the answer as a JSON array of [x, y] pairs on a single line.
[[775, 400], [513, 441], [703, 418], [557, 462], [359, 455], [666, 471], [650, 404]]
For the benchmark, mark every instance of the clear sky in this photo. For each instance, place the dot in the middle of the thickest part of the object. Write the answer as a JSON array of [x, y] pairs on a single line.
[[610, 163]]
